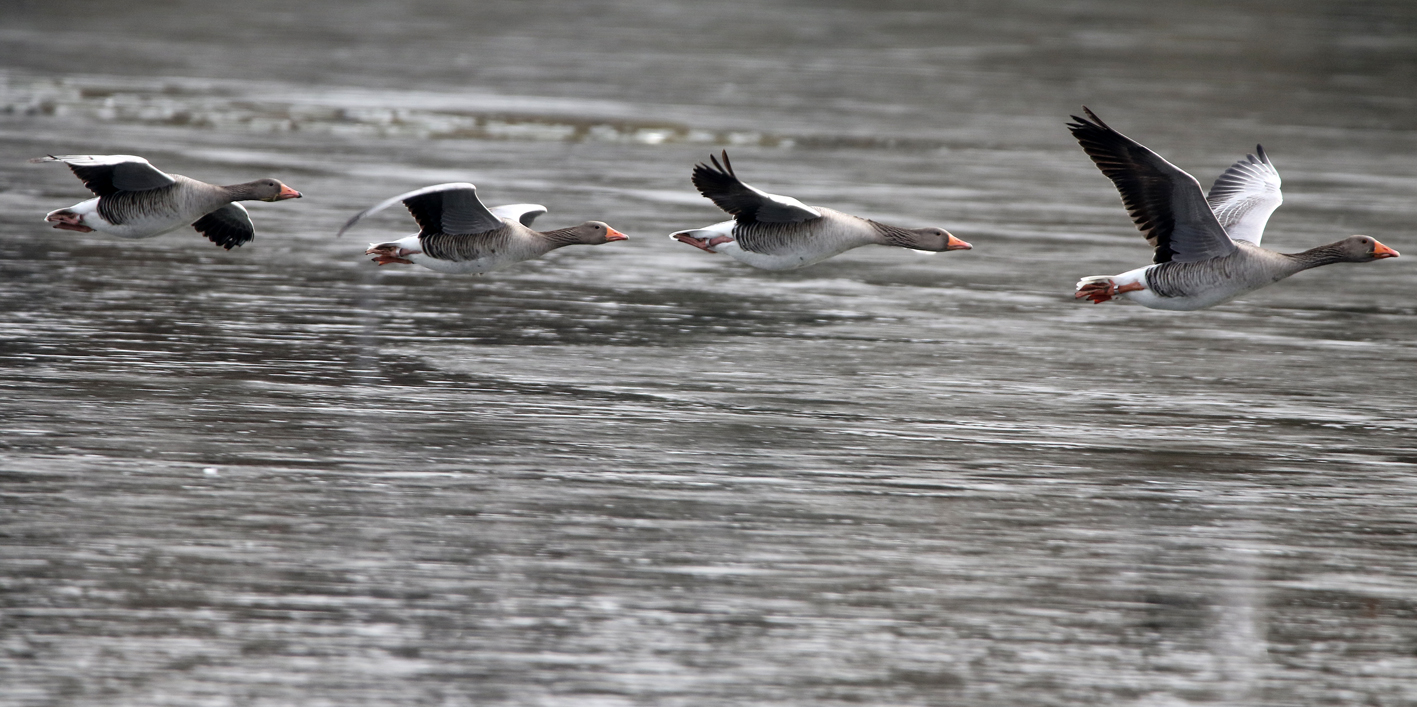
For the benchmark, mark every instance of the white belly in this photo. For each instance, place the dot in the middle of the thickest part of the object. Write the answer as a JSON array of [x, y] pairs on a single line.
[[783, 261], [461, 267], [1147, 298]]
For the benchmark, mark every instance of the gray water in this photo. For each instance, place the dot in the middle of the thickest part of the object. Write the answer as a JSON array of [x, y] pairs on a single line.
[[637, 474]]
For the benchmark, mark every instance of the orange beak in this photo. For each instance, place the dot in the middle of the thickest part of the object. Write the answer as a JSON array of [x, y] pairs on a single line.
[[614, 235], [1381, 251], [287, 193], [957, 244]]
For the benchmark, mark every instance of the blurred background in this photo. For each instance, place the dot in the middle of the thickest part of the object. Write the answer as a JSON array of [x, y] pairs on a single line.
[[639, 474]]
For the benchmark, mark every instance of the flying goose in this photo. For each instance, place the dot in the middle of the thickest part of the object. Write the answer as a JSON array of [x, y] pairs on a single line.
[[1207, 249], [458, 234], [138, 200], [781, 233]]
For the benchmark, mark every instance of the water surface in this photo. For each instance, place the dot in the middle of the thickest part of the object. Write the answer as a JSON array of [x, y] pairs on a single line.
[[637, 474]]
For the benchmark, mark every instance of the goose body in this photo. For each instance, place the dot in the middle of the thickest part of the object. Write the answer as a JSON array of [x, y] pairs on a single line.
[[773, 232], [137, 200], [799, 246], [458, 234], [1206, 247], [1191, 286]]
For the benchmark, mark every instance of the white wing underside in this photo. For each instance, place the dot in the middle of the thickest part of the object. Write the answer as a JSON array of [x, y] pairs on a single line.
[[523, 213], [1245, 195]]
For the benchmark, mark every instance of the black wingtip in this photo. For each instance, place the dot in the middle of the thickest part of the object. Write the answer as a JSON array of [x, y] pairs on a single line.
[[1259, 151], [1096, 120], [725, 168], [1091, 122]]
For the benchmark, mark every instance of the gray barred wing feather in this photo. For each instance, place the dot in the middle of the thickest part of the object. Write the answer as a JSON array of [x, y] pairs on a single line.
[[460, 247]]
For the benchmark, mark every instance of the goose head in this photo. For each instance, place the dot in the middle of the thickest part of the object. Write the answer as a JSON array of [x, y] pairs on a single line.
[[596, 233], [265, 190], [931, 239], [1361, 249]]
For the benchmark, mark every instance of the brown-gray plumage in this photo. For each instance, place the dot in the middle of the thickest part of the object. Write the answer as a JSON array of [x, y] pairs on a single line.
[[137, 200], [458, 234], [1197, 263]]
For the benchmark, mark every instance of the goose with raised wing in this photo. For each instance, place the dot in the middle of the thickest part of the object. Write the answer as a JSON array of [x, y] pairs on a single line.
[[1206, 248], [458, 234], [138, 200], [781, 233]]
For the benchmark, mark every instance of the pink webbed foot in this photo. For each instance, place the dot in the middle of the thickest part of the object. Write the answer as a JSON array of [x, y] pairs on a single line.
[[1099, 292], [707, 245], [386, 254], [68, 221], [1104, 290]]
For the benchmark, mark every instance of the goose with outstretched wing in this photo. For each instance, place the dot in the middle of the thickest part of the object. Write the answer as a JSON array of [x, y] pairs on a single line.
[[137, 200], [1205, 249], [775, 232], [458, 234]]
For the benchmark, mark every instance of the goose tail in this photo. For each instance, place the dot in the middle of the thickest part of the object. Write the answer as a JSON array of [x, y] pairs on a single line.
[[1098, 288], [392, 252], [705, 239]]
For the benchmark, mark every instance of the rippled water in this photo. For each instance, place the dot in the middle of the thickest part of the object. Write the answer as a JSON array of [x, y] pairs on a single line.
[[636, 474]]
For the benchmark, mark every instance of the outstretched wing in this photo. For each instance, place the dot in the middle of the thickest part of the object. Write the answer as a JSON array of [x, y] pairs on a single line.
[[1244, 196], [746, 203], [523, 213], [105, 175], [229, 227], [1164, 201], [442, 208]]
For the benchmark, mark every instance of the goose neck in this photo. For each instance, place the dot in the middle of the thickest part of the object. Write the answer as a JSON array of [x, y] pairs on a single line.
[[560, 237], [241, 192], [1315, 257], [893, 235]]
